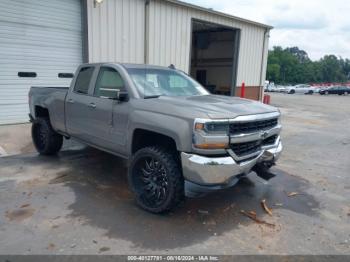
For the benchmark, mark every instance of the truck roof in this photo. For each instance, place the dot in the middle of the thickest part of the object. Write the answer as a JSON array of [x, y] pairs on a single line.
[[129, 65]]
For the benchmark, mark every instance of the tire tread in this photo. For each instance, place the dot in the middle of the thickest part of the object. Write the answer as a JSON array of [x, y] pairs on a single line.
[[54, 140], [175, 175]]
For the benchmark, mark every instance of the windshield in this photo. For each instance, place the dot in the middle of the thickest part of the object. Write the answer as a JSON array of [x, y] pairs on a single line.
[[164, 82]]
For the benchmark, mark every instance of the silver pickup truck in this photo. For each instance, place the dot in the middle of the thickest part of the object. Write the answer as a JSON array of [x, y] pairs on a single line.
[[179, 139]]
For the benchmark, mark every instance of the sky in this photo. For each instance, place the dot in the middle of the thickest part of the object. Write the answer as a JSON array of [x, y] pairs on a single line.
[[319, 27]]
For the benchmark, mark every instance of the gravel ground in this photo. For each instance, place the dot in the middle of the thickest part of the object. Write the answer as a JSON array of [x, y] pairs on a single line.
[[79, 202]]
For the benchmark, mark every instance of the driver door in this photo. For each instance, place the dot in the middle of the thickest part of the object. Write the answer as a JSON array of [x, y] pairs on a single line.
[[301, 89], [108, 115]]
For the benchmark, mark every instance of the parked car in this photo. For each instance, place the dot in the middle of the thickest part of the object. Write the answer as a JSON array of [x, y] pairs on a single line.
[[340, 90], [299, 89], [282, 89], [274, 88], [178, 138], [266, 84], [270, 87], [316, 89]]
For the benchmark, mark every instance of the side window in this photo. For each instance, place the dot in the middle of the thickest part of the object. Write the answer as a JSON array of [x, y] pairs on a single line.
[[108, 83], [83, 80]]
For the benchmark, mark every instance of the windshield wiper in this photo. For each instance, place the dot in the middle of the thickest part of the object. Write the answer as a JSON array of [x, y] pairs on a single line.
[[149, 97]]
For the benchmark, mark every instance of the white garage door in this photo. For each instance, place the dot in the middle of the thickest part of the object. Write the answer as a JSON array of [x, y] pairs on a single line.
[[38, 41]]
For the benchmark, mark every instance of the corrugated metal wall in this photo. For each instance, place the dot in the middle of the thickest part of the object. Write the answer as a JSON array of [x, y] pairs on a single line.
[[36, 36], [116, 33], [170, 39]]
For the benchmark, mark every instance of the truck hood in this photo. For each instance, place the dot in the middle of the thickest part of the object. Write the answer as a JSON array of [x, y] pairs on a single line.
[[209, 106]]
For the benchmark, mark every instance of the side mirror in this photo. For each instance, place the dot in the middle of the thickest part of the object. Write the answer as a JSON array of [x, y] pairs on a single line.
[[122, 96]]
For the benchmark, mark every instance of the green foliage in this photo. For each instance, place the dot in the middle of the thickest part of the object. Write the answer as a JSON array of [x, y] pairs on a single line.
[[292, 66]]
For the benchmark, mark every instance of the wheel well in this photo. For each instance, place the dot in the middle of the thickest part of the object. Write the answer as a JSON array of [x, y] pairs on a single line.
[[143, 138], [41, 112]]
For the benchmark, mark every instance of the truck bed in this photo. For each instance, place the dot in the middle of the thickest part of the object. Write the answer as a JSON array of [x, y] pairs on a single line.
[[53, 99]]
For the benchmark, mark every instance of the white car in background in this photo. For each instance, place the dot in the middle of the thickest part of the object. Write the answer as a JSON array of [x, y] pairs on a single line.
[[283, 89], [299, 89], [316, 89], [270, 87]]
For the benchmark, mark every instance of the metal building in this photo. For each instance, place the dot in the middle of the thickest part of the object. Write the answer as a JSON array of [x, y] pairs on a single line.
[[42, 42]]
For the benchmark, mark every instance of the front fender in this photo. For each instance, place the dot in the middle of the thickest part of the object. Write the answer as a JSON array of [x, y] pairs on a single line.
[[179, 129]]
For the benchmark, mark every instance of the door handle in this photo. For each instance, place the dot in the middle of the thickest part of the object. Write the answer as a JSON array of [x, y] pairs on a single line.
[[92, 105], [71, 101]]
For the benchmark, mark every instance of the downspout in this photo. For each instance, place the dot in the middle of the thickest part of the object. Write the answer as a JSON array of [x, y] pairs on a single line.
[[267, 31], [85, 31], [146, 32]]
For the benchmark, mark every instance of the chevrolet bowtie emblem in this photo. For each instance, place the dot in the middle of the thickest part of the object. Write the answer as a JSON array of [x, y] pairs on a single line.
[[264, 135]]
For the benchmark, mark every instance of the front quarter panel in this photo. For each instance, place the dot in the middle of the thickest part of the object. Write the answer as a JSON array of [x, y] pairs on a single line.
[[179, 129]]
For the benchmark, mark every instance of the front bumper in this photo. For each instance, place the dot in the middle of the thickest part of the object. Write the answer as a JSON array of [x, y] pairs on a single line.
[[221, 172]]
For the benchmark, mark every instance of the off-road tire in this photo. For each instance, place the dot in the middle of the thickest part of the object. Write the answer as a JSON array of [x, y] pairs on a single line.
[[175, 182], [45, 139]]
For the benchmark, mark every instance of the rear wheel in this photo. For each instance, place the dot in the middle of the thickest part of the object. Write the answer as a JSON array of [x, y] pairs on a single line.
[[45, 139], [155, 178]]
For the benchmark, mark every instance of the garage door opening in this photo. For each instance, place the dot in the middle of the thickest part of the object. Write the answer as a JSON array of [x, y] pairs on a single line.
[[214, 54]]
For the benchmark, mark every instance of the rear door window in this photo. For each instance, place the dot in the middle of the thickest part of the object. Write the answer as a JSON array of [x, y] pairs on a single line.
[[83, 80]]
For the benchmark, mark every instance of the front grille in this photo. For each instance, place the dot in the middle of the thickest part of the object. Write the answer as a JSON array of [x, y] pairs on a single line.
[[247, 148], [254, 126]]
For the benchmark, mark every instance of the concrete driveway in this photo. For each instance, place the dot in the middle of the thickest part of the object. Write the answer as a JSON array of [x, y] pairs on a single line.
[[79, 202]]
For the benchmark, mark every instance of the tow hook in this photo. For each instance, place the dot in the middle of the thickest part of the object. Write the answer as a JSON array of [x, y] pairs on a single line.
[[263, 170]]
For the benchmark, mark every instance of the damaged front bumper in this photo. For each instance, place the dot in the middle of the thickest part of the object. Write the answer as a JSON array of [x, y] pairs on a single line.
[[203, 173]]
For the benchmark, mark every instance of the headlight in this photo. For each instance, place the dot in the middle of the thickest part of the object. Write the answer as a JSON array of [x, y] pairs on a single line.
[[222, 128], [210, 134], [219, 127]]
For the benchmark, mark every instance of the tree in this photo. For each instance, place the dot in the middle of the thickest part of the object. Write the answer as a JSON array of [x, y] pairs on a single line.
[[273, 72], [331, 69], [301, 55], [293, 65]]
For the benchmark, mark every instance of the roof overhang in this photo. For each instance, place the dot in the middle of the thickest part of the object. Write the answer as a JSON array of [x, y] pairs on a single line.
[[211, 11]]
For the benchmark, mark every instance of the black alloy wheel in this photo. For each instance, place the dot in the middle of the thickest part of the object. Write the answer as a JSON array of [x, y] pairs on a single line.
[[156, 179]]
